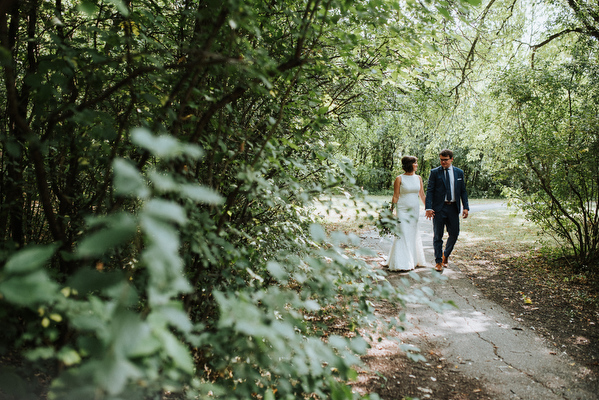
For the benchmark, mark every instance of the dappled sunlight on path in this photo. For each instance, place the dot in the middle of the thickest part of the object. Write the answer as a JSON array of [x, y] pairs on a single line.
[[479, 338]]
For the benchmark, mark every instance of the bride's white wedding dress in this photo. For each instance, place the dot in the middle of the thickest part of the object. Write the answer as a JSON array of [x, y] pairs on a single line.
[[406, 251]]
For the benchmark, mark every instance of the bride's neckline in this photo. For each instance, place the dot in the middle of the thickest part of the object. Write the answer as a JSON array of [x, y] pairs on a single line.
[[412, 174]]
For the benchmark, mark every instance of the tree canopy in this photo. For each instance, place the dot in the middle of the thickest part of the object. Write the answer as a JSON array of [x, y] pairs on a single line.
[[511, 89]]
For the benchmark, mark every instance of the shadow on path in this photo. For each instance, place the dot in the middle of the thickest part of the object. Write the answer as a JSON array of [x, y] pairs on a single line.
[[481, 340]]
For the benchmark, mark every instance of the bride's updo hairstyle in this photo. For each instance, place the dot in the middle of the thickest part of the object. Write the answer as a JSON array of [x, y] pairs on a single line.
[[407, 163]]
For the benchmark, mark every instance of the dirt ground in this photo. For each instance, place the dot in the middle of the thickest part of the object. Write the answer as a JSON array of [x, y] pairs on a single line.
[[546, 294]]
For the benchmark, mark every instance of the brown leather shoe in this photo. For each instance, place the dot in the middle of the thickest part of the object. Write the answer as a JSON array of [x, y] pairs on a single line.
[[439, 267], [445, 261]]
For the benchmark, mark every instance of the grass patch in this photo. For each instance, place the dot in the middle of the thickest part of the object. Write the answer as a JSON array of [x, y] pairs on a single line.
[[503, 228]]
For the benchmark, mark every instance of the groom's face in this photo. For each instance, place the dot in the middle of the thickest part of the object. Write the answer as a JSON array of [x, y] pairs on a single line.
[[445, 161]]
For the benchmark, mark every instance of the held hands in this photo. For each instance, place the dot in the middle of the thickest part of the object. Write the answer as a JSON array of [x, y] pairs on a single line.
[[430, 214]]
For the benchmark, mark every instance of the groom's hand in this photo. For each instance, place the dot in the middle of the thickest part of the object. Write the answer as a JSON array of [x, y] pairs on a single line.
[[429, 214], [465, 213]]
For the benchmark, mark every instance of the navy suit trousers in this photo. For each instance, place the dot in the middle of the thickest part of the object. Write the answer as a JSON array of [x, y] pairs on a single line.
[[448, 217]]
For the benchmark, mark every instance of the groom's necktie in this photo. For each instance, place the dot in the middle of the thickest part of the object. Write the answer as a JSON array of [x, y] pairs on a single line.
[[448, 187]]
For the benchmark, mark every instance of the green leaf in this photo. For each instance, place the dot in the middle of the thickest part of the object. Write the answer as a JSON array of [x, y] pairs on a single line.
[[164, 236], [121, 228], [84, 117], [128, 181], [337, 342], [201, 194], [144, 346], [87, 7], [175, 316], [68, 356], [29, 259], [444, 12], [89, 322], [160, 146], [352, 374], [165, 210], [276, 270], [269, 395], [359, 345], [177, 351], [87, 280], [121, 7], [317, 232], [114, 373], [163, 182], [127, 328], [43, 353], [104, 131], [30, 289], [164, 146], [34, 80]]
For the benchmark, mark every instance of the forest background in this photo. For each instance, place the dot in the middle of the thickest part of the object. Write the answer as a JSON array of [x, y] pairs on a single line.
[[159, 162]]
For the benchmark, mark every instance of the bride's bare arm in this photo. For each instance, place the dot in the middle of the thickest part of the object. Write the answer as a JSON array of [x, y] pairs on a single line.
[[421, 193], [396, 186]]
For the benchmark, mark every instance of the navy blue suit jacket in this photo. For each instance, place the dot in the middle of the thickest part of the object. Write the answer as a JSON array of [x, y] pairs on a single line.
[[435, 189]]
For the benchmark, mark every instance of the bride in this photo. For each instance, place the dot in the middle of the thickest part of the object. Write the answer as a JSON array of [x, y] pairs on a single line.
[[406, 251]]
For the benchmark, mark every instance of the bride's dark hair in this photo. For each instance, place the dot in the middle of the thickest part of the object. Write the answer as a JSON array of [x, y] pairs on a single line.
[[407, 163]]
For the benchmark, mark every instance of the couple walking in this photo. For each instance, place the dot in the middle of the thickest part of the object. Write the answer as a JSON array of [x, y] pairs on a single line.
[[445, 196]]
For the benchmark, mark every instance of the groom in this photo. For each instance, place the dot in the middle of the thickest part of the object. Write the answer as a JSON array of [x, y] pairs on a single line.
[[445, 190]]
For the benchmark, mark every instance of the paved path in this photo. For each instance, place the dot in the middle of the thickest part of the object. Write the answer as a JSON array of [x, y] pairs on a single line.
[[483, 341]]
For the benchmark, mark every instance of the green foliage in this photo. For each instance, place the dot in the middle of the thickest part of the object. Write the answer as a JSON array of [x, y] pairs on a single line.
[[374, 180], [553, 130], [387, 223], [134, 338], [118, 346], [158, 164]]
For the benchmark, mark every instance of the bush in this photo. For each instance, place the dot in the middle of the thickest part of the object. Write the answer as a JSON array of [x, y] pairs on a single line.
[[374, 180], [125, 331], [558, 158]]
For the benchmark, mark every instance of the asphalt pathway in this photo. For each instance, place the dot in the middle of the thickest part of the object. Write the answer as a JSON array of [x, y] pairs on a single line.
[[483, 340]]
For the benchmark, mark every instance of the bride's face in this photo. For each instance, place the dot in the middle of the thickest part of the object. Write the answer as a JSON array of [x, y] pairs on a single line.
[[415, 165]]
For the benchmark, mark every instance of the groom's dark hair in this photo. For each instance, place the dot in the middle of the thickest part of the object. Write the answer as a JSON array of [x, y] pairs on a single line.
[[446, 153], [407, 163]]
